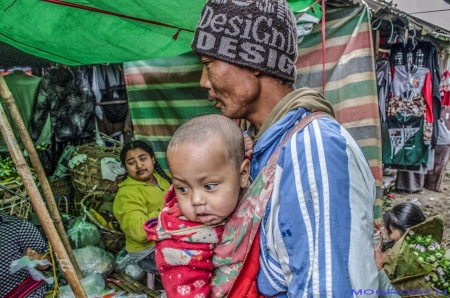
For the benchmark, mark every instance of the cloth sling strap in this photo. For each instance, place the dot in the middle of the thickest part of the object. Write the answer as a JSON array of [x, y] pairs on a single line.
[[25, 288], [244, 285]]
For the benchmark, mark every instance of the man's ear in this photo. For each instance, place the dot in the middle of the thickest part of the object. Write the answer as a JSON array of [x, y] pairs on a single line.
[[244, 173], [256, 73]]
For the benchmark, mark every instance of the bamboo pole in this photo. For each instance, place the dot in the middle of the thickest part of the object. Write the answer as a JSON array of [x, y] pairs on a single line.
[[24, 171], [42, 177]]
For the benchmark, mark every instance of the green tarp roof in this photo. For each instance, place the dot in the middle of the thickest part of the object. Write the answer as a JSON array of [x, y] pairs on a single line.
[[69, 32]]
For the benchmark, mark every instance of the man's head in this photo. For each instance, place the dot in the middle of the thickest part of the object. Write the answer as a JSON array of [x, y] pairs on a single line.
[[260, 35], [248, 49], [206, 160]]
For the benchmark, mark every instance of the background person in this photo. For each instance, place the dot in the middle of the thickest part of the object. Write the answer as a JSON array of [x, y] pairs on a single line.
[[18, 238], [396, 221], [140, 197]]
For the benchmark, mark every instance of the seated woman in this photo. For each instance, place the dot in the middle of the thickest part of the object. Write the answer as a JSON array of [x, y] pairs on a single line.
[[140, 197], [18, 237], [397, 221]]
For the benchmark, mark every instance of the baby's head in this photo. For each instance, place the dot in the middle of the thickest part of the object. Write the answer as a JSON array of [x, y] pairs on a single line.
[[206, 160]]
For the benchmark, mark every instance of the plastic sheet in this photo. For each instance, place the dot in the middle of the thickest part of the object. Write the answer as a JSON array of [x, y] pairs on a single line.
[[128, 266], [82, 234], [92, 284], [30, 265], [93, 259]]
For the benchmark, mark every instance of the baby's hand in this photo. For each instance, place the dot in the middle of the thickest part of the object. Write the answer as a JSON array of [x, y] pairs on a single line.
[[248, 144]]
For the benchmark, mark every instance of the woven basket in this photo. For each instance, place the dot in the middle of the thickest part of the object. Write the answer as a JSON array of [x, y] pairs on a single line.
[[87, 176], [15, 205], [61, 187], [114, 240]]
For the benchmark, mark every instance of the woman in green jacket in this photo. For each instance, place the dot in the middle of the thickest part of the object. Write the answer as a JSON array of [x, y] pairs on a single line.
[[140, 197]]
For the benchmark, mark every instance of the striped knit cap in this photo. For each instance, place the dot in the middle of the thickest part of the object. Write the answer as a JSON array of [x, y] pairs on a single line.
[[259, 34]]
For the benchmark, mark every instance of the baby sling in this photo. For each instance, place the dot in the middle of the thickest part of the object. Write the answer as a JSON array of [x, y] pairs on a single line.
[[236, 258]]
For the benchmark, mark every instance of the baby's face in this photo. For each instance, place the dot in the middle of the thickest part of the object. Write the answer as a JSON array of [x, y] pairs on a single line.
[[206, 183]]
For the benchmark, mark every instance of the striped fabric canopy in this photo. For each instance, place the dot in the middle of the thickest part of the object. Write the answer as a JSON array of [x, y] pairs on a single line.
[[163, 94], [350, 79]]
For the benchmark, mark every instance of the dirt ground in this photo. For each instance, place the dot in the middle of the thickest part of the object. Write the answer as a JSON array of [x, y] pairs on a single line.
[[431, 202]]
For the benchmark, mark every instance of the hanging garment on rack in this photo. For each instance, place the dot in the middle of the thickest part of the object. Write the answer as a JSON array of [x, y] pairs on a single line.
[[413, 106], [111, 87], [423, 54], [67, 96], [405, 147], [384, 78], [408, 85], [444, 88], [435, 176], [23, 88]]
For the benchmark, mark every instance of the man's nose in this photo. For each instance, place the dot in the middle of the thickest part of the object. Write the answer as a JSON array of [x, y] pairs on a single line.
[[204, 80]]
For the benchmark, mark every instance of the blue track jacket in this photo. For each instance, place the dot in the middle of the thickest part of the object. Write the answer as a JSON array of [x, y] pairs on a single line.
[[316, 234]]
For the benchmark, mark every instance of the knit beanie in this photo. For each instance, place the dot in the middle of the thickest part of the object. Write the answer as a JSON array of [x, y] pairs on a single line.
[[259, 34]]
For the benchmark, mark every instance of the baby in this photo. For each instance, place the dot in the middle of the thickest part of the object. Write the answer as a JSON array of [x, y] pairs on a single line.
[[209, 174]]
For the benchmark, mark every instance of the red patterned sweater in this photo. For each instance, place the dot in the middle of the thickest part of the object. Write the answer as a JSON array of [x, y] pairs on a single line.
[[184, 250]]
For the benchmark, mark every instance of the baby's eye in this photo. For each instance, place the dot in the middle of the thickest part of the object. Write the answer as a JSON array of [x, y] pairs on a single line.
[[210, 186], [182, 189]]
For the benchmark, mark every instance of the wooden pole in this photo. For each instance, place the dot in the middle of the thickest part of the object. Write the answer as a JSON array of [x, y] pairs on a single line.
[[24, 171], [42, 177]]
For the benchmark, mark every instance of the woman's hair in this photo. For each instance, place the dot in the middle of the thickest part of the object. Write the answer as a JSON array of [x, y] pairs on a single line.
[[403, 216], [146, 147]]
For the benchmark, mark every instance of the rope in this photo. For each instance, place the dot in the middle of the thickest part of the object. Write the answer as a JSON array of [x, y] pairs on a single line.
[[56, 289], [323, 46]]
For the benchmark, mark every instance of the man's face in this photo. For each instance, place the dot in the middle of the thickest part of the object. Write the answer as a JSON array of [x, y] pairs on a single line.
[[235, 89]]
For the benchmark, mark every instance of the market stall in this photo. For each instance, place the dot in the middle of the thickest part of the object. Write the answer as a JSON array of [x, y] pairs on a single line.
[[150, 97]]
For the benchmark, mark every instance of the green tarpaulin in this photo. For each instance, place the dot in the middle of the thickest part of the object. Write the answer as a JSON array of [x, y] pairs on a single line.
[[117, 31]]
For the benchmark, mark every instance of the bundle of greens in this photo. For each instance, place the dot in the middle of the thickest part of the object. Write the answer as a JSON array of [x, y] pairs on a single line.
[[428, 250], [417, 263]]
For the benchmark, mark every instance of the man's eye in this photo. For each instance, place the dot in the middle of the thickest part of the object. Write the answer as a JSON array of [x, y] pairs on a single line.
[[182, 189], [131, 163], [143, 159], [210, 186]]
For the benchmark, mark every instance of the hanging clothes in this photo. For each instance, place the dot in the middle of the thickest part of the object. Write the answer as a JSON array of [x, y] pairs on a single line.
[[422, 54], [110, 86], [408, 119], [23, 88], [384, 79], [412, 80], [67, 96], [425, 54], [435, 177], [405, 147], [444, 88]]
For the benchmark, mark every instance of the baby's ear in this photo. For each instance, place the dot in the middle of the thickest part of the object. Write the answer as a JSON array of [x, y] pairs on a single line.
[[244, 173]]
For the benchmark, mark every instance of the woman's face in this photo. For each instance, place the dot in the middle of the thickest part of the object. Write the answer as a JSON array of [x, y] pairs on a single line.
[[139, 165], [396, 234]]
